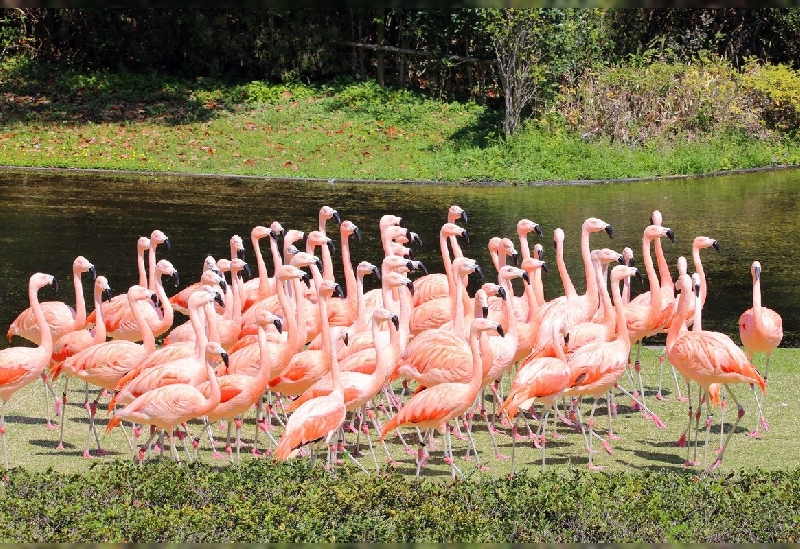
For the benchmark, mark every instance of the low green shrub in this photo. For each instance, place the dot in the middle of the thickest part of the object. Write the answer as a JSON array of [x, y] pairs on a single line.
[[266, 502]]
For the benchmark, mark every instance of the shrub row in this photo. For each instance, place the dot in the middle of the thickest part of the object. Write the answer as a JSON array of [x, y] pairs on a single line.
[[265, 502]]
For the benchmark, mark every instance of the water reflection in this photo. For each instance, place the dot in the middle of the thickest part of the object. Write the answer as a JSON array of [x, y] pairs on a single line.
[[46, 220]]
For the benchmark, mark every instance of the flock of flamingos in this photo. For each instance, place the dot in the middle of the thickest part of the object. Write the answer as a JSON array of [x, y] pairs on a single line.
[[314, 360]]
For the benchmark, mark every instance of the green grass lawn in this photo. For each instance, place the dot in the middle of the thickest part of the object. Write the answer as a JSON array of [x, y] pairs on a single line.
[[642, 446]]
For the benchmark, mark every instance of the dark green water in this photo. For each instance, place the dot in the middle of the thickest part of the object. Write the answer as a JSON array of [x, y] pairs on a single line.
[[46, 220]]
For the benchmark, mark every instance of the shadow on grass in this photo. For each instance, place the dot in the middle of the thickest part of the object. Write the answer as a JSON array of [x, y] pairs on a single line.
[[34, 93]]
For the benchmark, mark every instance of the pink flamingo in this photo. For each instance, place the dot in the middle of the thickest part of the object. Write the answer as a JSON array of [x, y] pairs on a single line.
[[342, 312], [171, 405], [761, 331], [318, 419], [62, 320], [436, 406], [436, 285], [597, 367], [74, 342], [709, 358], [180, 301], [263, 285], [21, 365]]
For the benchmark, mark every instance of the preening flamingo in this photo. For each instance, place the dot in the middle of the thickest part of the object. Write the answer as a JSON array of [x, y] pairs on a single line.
[[436, 406], [761, 331], [709, 358], [21, 365]]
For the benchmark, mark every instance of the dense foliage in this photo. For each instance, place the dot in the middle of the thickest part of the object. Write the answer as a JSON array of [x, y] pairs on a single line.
[[264, 502]]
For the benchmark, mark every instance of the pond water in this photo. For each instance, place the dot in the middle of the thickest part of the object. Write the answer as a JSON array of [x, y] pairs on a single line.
[[46, 220]]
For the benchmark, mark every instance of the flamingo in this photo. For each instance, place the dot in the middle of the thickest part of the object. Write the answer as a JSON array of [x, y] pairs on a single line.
[[73, 343], [104, 364], [709, 358], [240, 392], [21, 365], [436, 406], [597, 367], [437, 284], [153, 372], [171, 405], [62, 320], [761, 331], [342, 312], [185, 332], [320, 418], [544, 378], [262, 286]]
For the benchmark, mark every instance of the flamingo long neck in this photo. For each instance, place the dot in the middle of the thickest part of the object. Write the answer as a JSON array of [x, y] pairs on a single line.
[[675, 328], [758, 317], [663, 267], [609, 317], [698, 268], [148, 339], [151, 283], [99, 335], [265, 369], [169, 314], [328, 345], [569, 288], [404, 318], [534, 314], [524, 248], [215, 393], [350, 284], [456, 306], [591, 296], [697, 317], [141, 267], [263, 277], [277, 259], [361, 321], [236, 315], [448, 263], [46, 344], [477, 364], [211, 322], [197, 318], [80, 302], [619, 309], [652, 278], [513, 326]]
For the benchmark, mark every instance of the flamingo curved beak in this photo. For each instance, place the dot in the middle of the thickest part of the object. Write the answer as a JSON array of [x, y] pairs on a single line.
[[610, 231], [545, 268], [396, 322], [278, 325]]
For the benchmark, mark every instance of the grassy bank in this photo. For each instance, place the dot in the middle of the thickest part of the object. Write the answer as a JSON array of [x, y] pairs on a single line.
[[53, 118]]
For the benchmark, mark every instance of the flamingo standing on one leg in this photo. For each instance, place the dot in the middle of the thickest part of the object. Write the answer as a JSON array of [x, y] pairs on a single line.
[[709, 358], [761, 331], [21, 365]]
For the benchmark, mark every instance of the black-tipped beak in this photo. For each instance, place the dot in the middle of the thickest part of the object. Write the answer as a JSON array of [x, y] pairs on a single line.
[[319, 264], [652, 222], [464, 216], [540, 254], [676, 291], [609, 231], [396, 322], [337, 217], [247, 269], [154, 299], [555, 245], [485, 311], [411, 254], [357, 232], [500, 330], [224, 357], [331, 246], [416, 238], [502, 293], [401, 223], [515, 259], [338, 291], [223, 285], [466, 236], [621, 259], [758, 273], [346, 339], [410, 287], [240, 253], [93, 272], [545, 268], [421, 266], [479, 271], [639, 275], [538, 230], [715, 245], [55, 284], [566, 338], [168, 244], [671, 235], [176, 279], [106, 295], [306, 279], [632, 262], [218, 299], [278, 325], [697, 290], [526, 278], [377, 273]]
